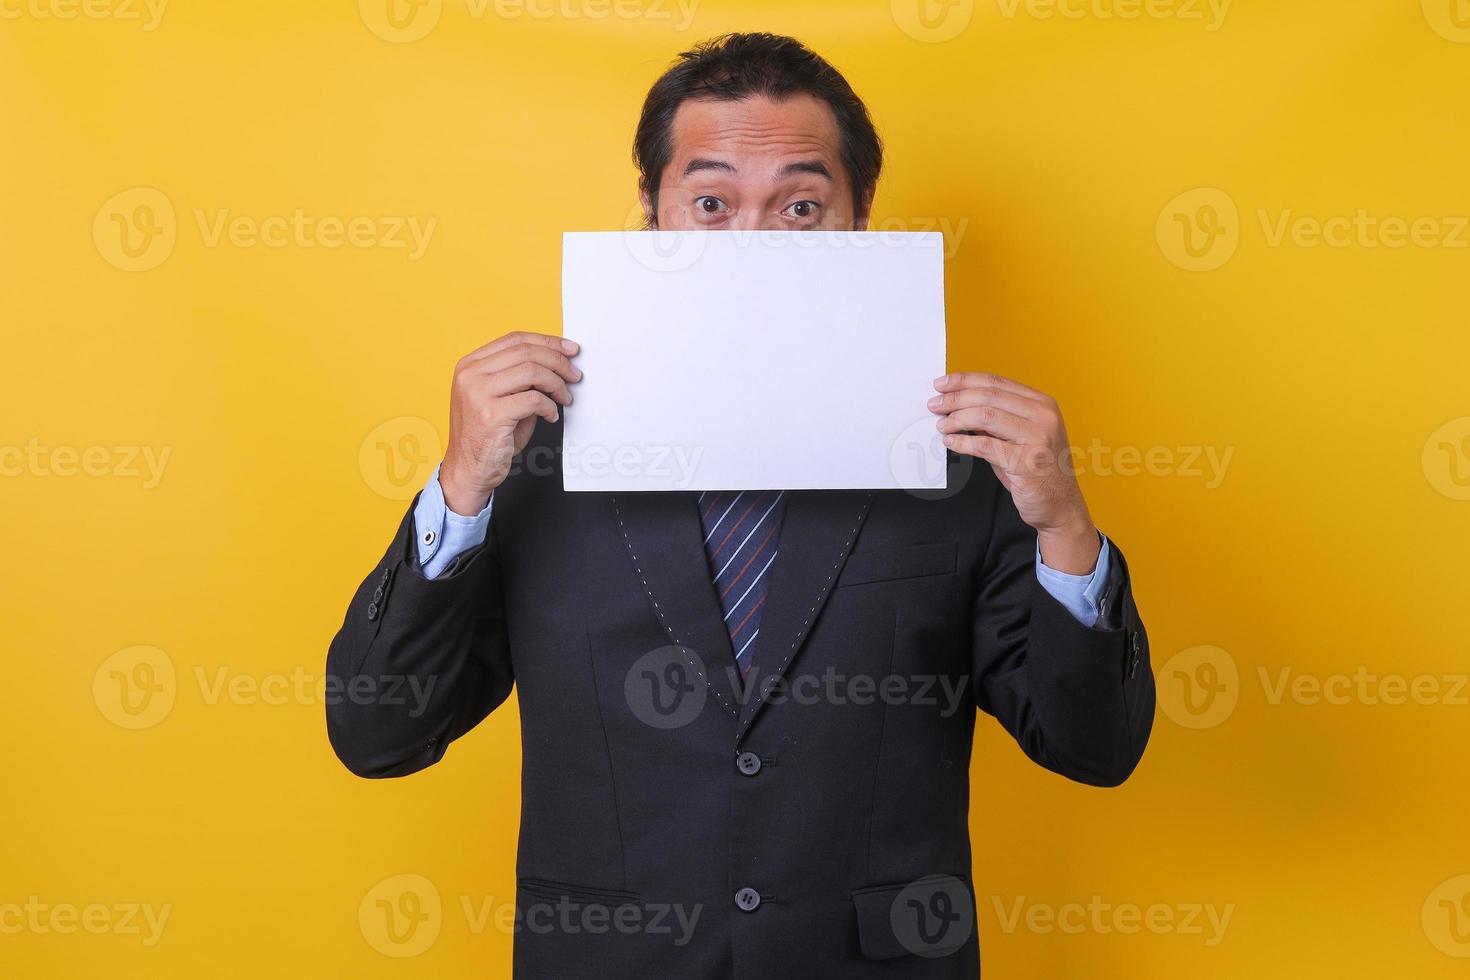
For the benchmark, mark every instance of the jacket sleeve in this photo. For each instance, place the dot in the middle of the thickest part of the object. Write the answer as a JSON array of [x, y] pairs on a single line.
[[1078, 700], [417, 662]]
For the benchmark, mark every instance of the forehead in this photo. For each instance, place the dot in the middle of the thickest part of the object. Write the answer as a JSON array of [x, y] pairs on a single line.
[[801, 126]]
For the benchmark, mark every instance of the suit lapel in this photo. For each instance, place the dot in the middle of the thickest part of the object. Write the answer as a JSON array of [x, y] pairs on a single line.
[[666, 542], [816, 537]]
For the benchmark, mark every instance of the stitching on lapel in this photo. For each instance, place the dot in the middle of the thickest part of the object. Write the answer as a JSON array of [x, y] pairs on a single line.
[[659, 612], [801, 633]]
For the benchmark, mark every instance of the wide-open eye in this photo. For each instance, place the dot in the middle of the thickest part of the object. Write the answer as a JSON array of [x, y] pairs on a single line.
[[709, 204], [802, 209]]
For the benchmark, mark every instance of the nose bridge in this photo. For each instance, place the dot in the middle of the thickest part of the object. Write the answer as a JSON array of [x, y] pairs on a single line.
[[755, 213], [755, 201]]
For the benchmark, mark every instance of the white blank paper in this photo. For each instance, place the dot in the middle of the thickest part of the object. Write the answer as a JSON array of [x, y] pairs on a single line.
[[753, 360]]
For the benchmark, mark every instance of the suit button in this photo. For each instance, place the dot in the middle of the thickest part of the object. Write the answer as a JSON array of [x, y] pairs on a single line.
[[372, 610], [748, 763], [747, 899], [378, 594]]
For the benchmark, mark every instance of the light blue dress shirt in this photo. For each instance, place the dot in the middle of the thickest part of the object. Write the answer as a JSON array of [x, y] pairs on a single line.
[[444, 535]]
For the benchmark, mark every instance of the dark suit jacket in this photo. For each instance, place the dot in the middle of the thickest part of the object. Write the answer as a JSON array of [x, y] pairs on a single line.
[[675, 824]]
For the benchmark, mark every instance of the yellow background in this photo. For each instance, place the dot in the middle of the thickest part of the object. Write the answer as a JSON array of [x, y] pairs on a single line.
[[1049, 148]]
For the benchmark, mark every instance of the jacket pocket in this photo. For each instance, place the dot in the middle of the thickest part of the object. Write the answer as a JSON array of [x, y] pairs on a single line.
[[907, 561], [556, 891], [932, 916]]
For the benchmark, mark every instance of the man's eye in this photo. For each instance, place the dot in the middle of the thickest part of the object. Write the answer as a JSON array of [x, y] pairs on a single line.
[[709, 205], [803, 209]]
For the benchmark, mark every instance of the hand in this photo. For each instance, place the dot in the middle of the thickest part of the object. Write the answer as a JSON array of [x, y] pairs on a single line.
[[1019, 432], [498, 393]]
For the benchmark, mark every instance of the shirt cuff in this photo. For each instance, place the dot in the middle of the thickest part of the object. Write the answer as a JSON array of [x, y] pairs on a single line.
[[1080, 594], [441, 534]]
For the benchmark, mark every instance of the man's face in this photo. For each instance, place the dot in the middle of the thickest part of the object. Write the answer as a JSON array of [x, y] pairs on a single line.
[[755, 164]]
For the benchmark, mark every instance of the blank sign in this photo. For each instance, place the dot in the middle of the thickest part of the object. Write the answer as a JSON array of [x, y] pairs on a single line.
[[732, 360]]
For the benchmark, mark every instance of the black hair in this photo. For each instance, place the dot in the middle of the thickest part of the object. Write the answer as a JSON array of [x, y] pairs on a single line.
[[737, 66]]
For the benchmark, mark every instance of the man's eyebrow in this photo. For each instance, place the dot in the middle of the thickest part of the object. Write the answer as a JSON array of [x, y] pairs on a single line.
[[701, 163], [816, 167]]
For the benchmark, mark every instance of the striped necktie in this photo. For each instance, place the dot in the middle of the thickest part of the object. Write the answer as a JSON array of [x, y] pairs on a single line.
[[741, 531]]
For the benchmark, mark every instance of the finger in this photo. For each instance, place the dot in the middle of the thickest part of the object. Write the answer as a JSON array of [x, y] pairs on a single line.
[[989, 420], [522, 337], [525, 404], [527, 376], [998, 452], [956, 380], [528, 354], [1000, 398]]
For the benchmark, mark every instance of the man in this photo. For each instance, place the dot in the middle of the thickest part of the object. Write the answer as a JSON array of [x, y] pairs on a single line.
[[747, 717]]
